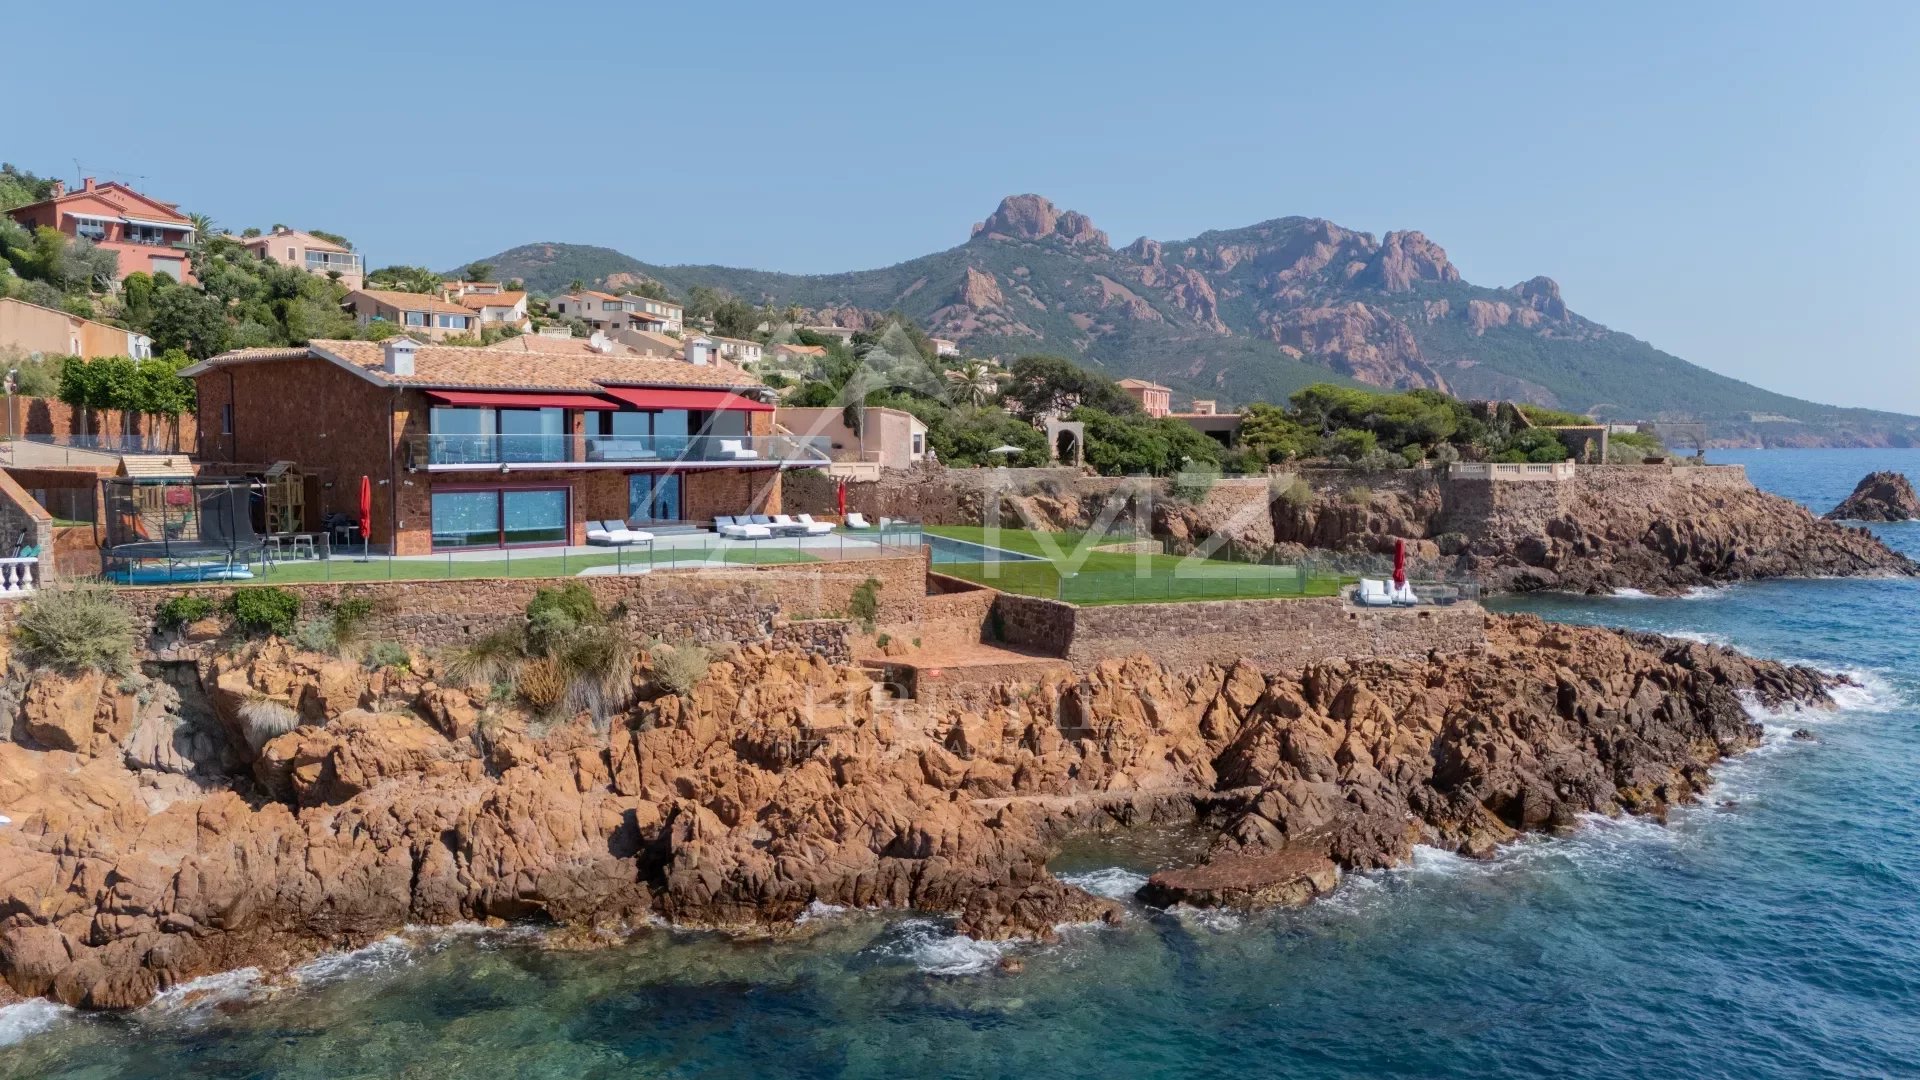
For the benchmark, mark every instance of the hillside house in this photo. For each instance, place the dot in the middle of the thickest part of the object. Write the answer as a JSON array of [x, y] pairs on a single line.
[[499, 447], [148, 236], [305, 251], [427, 316], [1155, 400], [28, 330]]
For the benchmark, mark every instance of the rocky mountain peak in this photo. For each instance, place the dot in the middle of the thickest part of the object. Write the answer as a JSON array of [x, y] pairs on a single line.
[[1408, 256], [1542, 294], [1032, 217]]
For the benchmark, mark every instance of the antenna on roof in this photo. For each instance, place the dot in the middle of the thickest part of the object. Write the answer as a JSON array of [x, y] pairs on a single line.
[[79, 173]]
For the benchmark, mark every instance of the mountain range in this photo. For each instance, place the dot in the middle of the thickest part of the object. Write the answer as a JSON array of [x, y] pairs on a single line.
[[1254, 313]]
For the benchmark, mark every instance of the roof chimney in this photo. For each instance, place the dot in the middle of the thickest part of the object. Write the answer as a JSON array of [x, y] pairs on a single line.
[[398, 355], [699, 351], [87, 184], [56, 189]]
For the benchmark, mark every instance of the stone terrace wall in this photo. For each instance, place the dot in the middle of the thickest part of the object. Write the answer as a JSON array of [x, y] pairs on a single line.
[[1274, 634], [739, 604], [1032, 622], [956, 612], [1499, 509]]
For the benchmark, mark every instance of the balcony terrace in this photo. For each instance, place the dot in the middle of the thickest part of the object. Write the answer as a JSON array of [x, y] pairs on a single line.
[[455, 452]]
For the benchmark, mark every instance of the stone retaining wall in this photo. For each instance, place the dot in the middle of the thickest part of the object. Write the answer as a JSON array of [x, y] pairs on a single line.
[[1274, 634], [739, 604]]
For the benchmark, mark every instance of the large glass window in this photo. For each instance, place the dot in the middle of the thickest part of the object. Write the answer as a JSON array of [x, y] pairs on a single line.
[[533, 434], [485, 436], [497, 516], [466, 519], [534, 517]]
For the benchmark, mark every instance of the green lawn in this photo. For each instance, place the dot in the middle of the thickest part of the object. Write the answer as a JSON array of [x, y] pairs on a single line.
[[1098, 577], [343, 567]]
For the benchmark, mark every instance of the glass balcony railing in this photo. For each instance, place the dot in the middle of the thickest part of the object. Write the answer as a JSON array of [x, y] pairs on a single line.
[[483, 451]]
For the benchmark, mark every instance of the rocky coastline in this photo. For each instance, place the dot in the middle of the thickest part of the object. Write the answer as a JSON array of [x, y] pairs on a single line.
[[1879, 496], [1658, 530], [158, 835]]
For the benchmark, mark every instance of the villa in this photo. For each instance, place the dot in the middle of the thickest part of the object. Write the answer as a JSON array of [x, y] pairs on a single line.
[[473, 448], [149, 236], [428, 316], [305, 251]]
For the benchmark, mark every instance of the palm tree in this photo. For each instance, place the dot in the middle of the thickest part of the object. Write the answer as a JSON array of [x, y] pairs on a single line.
[[203, 233], [979, 381]]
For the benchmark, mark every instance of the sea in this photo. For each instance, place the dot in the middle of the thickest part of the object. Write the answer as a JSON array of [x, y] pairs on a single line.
[[1772, 930]]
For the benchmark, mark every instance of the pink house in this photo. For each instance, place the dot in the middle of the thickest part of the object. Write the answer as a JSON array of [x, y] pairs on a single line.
[[149, 236]]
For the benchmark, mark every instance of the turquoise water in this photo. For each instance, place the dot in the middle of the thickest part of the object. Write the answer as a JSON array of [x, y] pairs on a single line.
[[1773, 931]]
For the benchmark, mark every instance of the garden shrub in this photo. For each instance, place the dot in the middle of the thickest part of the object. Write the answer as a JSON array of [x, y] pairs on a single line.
[[1297, 495], [182, 610], [864, 604], [76, 629], [348, 615], [388, 654], [266, 609], [540, 685], [678, 667], [316, 635], [1357, 495], [1191, 485]]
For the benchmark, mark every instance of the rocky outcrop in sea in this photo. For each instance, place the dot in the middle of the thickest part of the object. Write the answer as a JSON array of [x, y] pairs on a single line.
[[1880, 496], [270, 804]]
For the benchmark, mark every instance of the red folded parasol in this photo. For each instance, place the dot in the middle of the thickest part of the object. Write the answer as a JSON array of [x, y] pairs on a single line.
[[840, 493], [366, 508], [1399, 562]]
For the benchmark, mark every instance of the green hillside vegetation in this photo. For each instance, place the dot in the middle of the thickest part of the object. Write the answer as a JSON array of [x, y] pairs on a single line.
[[239, 301]]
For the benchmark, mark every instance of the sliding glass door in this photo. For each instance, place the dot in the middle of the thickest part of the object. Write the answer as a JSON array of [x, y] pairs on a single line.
[[499, 517], [653, 497]]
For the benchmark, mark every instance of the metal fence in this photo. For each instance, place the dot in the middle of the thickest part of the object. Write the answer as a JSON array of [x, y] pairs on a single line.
[[314, 559]]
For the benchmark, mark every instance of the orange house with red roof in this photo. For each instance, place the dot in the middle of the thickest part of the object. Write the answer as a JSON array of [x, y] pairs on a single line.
[[149, 236]]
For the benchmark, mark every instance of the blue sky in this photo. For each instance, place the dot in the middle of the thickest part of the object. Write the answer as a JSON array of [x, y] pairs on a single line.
[[1734, 182]]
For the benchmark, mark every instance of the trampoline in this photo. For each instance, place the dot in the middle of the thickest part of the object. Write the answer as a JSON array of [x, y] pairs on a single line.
[[161, 530]]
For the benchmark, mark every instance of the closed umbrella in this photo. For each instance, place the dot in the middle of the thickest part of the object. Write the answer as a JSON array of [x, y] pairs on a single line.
[[1399, 563], [366, 512], [840, 497]]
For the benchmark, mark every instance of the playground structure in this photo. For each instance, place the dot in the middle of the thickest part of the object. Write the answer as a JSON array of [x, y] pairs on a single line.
[[159, 530]]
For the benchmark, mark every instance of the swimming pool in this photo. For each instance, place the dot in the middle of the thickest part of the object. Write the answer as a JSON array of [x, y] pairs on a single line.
[[948, 550]]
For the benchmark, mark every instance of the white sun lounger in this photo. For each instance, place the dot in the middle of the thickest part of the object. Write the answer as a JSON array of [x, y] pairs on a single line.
[[1373, 593], [615, 534], [734, 529], [784, 523], [816, 528], [858, 521]]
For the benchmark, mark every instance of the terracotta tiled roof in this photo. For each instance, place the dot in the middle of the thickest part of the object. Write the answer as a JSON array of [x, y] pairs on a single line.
[[408, 301], [1140, 384], [802, 350], [499, 299], [495, 368]]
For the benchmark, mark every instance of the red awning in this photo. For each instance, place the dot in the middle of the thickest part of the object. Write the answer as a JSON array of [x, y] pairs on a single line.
[[490, 399], [712, 400]]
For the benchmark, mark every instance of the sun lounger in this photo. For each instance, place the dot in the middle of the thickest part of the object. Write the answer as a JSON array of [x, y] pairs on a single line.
[[740, 529], [816, 528], [1373, 593], [615, 534], [786, 526], [1403, 596], [858, 522]]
